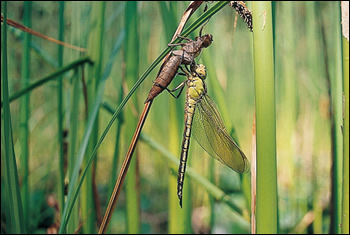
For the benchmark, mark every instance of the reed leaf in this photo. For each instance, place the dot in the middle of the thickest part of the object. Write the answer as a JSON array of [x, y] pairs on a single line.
[[25, 114], [14, 209], [48, 78], [60, 113]]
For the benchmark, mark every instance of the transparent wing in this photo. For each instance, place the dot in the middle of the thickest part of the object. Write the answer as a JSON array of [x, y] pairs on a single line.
[[210, 132]]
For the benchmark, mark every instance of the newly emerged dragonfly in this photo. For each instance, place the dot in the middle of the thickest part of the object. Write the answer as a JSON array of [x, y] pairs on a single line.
[[208, 128]]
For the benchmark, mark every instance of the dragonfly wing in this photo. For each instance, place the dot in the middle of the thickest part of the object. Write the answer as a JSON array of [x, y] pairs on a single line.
[[210, 132]]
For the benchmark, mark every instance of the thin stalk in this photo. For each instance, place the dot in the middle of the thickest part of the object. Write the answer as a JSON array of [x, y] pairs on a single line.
[[50, 77], [25, 113], [289, 98], [266, 180], [73, 139], [345, 209], [14, 216], [333, 66], [95, 45], [60, 114], [77, 19], [131, 58]]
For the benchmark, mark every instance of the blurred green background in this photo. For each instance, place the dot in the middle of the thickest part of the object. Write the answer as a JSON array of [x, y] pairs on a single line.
[[307, 67]]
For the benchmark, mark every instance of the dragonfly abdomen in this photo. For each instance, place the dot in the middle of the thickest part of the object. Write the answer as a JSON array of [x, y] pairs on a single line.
[[189, 111], [165, 76]]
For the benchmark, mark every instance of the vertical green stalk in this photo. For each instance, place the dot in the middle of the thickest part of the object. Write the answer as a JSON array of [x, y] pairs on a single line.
[[77, 20], [14, 215], [345, 212], [131, 58], [333, 46], [25, 111], [288, 94], [60, 179], [96, 42], [266, 182], [73, 137]]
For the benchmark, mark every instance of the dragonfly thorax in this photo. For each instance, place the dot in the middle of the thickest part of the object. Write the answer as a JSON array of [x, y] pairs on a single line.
[[195, 88]]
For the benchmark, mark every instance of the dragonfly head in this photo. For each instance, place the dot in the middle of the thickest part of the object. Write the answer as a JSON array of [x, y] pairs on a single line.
[[206, 40], [200, 70]]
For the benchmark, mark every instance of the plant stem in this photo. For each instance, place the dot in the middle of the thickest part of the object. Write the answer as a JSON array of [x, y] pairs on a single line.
[[266, 182], [131, 57], [345, 213], [60, 112], [14, 216], [25, 113]]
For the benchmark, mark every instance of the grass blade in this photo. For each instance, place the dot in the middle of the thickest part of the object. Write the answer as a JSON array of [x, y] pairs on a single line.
[[14, 216], [60, 113], [50, 77], [25, 113]]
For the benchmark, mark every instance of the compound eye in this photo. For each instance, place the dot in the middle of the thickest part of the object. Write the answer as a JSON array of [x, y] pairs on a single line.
[[207, 40]]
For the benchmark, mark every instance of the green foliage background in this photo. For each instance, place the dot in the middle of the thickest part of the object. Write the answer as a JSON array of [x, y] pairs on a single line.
[[307, 47]]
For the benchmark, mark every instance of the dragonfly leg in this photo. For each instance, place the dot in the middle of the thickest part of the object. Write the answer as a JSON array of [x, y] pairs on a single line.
[[185, 38], [181, 43], [181, 87], [205, 9], [188, 70], [176, 44]]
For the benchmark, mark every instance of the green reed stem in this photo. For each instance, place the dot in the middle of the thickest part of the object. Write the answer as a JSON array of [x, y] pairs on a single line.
[[345, 211], [89, 200], [25, 113], [131, 56], [266, 179], [14, 211], [60, 113]]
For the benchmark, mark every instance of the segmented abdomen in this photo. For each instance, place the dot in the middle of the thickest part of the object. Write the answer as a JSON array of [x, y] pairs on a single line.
[[164, 77], [189, 112]]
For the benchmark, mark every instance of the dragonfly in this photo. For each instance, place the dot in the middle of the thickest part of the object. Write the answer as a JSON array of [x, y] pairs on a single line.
[[202, 114], [184, 56]]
